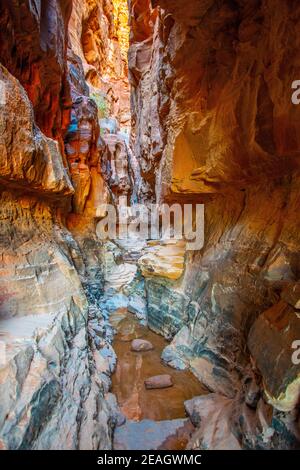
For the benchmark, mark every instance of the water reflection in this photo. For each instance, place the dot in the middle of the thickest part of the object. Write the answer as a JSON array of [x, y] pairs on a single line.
[[133, 368]]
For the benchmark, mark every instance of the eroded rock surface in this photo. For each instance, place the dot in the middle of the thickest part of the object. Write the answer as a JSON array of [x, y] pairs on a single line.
[[163, 259], [48, 377], [33, 49], [217, 126], [99, 35], [277, 327], [56, 354]]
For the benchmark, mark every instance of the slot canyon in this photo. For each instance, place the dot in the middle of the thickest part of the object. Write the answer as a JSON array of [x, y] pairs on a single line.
[[140, 343]]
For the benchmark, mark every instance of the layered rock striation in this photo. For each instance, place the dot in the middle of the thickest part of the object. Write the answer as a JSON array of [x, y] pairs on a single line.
[[52, 396], [213, 123], [56, 358], [33, 49]]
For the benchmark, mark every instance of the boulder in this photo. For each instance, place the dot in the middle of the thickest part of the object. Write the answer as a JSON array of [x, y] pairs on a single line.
[[140, 345], [159, 381]]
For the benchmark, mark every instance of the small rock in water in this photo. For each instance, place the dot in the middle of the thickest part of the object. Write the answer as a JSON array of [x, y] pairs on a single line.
[[140, 345], [159, 381]]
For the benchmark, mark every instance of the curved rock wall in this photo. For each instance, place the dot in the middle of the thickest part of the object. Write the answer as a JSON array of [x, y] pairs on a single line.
[[54, 375], [33, 48], [214, 123], [99, 35], [49, 383]]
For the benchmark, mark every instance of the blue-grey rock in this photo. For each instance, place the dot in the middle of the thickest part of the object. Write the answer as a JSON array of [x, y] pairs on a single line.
[[137, 306], [178, 353], [114, 302], [167, 308], [169, 357], [117, 416], [109, 354]]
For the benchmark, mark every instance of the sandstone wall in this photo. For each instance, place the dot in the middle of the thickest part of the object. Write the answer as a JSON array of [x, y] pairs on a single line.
[[54, 375], [97, 141], [99, 35], [213, 122], [33, 49]]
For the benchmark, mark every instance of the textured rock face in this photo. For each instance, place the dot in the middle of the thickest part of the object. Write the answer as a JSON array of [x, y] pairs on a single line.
[[31, 166], [56, 359], [278, 327], [225, 423], [210, 98], [33, 39], [167, 307], [99, 35], [217, 125], [214, 413], [145, 97], [116, 166], [48, 378], [28, 158], [84, 147]]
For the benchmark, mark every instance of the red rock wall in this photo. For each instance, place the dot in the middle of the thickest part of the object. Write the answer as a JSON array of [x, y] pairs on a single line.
[[97, 153], [33, 39], [213, 122], [99, 35], [48, 284]]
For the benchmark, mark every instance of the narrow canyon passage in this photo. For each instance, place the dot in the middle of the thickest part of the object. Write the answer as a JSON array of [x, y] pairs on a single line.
[[116, 113], [153, 418]]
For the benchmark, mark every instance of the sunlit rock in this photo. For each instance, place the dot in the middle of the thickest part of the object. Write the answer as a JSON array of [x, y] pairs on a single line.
[[163, 259]]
